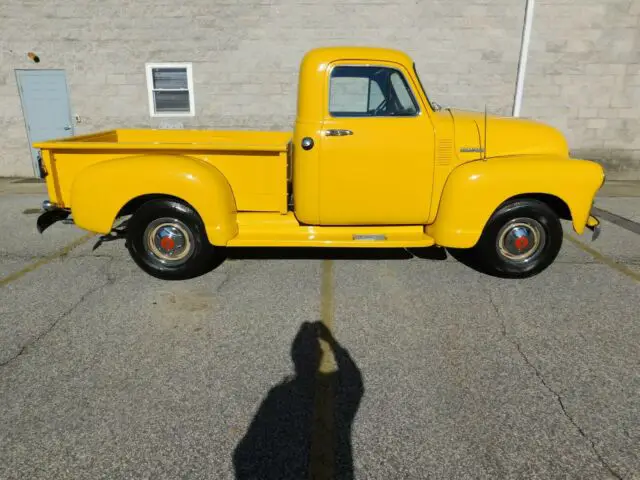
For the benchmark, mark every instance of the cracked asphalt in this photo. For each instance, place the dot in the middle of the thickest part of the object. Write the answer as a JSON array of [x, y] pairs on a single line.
[[446, 373]]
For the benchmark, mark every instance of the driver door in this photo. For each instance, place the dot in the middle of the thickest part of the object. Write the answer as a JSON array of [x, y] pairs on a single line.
[[377, 148]]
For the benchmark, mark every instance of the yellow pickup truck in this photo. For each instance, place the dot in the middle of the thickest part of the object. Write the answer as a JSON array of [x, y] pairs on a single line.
[[371, 162]]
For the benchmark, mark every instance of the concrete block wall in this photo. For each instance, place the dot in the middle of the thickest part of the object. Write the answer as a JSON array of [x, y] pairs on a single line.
[[246, 54], [584, 78]]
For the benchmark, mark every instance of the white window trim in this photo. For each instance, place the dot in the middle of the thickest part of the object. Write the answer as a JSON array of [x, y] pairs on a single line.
[[188, 66]]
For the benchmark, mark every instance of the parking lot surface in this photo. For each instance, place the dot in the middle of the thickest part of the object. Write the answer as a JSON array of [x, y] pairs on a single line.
[[436, 370]]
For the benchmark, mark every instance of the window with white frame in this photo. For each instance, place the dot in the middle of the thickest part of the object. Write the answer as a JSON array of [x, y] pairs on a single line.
[[170, 87]]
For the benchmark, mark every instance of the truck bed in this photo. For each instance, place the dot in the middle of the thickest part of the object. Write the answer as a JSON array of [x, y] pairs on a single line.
[[264, 154]]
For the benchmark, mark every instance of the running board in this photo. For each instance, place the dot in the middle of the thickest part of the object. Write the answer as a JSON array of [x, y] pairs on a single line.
[[275, 230]]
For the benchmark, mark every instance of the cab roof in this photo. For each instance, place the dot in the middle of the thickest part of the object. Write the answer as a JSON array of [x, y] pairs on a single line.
[[312, 80], [324, 55]]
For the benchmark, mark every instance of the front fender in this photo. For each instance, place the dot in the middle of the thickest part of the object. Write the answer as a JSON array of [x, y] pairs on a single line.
[[101, 190], [473, 191]]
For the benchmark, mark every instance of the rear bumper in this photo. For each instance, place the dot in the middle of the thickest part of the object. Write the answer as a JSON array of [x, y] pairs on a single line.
[[593, 224], [51, 215]]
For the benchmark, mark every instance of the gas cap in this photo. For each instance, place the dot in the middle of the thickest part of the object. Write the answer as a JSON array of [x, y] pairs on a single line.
[[307, 143]]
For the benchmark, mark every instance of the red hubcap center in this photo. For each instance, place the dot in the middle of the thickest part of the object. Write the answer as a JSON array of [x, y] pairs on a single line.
[[522, 243], [167, 243]]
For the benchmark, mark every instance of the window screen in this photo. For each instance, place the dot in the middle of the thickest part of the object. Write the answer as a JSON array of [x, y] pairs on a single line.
[[170, 89]]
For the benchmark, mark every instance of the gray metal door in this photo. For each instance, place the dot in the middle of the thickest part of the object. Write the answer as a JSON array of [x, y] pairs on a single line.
[[45, 105]]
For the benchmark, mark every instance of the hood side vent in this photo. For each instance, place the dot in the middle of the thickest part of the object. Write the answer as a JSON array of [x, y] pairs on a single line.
[[444, 151]]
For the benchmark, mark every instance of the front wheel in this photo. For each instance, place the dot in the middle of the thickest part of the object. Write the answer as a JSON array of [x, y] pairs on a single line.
[[521, 239], [167, 239]]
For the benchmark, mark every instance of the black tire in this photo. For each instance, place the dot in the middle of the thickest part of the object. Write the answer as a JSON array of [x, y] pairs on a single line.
[[186, 254], [521, 239]]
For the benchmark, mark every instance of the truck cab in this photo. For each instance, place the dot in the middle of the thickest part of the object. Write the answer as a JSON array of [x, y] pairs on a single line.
[[370, 136], [371, 162]]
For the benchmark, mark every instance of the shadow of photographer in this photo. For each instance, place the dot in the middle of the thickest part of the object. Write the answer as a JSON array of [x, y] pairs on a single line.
[[302, 429]]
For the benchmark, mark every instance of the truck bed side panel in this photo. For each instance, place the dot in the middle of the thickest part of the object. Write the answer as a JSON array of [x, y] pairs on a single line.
[[258, 181], [102, 189], [254, 162]]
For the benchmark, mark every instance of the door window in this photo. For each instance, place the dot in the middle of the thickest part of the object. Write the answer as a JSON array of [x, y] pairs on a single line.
[[370, 91]]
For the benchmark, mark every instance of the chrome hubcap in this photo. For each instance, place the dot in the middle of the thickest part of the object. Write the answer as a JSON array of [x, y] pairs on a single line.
[[169, 240], [521, 239]]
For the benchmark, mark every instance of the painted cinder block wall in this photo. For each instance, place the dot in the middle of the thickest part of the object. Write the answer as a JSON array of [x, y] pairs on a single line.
[[583, 73], [584, 78]]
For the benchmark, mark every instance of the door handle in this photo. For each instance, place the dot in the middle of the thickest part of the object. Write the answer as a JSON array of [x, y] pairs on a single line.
[[337, 133], [68, 127]]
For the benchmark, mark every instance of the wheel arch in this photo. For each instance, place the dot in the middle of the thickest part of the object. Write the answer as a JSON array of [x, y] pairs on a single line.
[[557, 204], [105, 191], [135, 203], [474, 191]]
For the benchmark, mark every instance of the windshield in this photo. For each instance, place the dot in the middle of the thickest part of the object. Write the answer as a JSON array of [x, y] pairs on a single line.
[[434, 106]]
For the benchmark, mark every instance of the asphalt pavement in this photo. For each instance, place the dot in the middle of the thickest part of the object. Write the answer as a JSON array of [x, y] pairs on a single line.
[[430, 369]]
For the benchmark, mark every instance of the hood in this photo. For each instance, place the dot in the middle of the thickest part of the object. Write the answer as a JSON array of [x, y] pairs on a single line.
[[504, 136]]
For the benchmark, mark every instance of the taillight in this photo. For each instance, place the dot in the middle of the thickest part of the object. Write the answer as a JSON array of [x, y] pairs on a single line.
[[42, 172]]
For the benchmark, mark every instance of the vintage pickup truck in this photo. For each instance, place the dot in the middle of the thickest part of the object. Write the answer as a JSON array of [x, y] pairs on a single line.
[[371, 162]]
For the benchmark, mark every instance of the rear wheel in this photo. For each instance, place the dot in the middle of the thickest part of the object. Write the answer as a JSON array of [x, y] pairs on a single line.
[[521, 239], [167, 239]]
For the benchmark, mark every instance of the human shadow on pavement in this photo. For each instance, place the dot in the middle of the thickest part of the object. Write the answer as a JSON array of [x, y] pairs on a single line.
[[303, 426]]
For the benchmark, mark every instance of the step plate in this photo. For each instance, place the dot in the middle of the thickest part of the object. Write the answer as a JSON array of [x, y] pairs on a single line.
[[370, 238]]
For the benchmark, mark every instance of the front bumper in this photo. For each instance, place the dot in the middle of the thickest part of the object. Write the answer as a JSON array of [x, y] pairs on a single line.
[[594, 225]]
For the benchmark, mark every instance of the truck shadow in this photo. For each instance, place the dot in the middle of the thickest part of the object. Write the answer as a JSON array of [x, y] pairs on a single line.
[[303, 427], [466, 258], [317, 253]]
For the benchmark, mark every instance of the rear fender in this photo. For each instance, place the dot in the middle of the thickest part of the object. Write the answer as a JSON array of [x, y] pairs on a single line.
[[473, 191], [101, 190]]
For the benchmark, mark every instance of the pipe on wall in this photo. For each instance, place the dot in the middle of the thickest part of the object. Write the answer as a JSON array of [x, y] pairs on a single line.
[[524, 55]]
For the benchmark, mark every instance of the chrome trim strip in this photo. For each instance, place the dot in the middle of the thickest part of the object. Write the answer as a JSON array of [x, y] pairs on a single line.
[[370, 237]]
